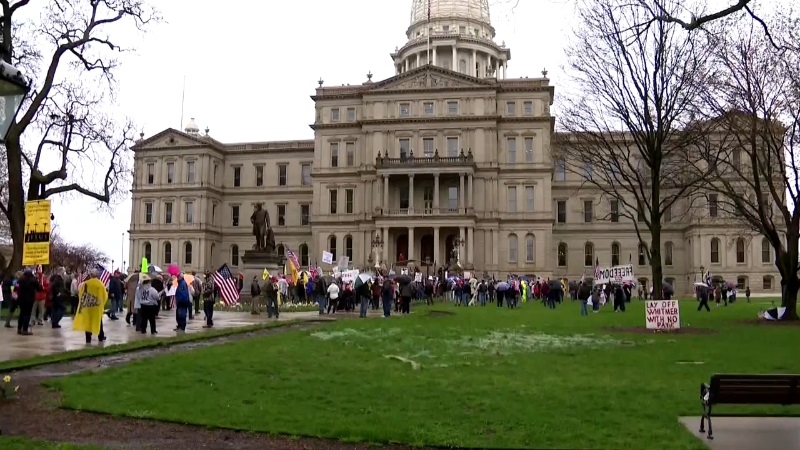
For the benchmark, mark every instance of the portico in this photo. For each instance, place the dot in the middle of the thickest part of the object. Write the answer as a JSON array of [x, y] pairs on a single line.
[[434, 243]]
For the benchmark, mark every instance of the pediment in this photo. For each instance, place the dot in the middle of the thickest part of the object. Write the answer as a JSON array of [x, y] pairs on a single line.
[[429, 77], [173, 138]]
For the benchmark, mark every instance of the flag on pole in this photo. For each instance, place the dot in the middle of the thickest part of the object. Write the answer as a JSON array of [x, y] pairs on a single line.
[[103, 275], [597, 268], [228, 288], [294, 265], [429, 11]]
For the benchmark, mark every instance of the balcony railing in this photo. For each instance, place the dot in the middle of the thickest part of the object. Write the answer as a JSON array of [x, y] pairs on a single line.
[[427, 212], [411, 161]]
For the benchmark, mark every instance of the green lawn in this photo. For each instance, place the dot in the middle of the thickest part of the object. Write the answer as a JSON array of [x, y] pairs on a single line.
[[21, 443], [487, 377]]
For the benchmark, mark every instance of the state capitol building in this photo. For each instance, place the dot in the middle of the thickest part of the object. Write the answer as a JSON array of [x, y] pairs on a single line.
[[447, 154]]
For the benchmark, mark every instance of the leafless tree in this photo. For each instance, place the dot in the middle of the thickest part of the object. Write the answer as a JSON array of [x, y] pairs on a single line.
[[72, 257], [629, 123], [755, 156], [64, 130], [5, 228]]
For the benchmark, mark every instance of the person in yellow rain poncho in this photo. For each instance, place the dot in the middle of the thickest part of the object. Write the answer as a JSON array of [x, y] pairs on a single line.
[[92, 300], [524, 285]]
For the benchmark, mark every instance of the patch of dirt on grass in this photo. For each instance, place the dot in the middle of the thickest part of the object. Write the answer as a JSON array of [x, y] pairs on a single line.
[[643, 330], [38, 408], [436, 313]]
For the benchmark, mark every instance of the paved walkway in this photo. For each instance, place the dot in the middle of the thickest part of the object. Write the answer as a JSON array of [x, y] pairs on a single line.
[[48, 341], [747, 433]]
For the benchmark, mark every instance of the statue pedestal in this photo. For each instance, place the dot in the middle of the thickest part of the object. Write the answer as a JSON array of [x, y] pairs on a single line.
[[254, 262]]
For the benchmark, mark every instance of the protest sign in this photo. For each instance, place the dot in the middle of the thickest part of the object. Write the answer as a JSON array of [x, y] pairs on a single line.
[[663, 315]]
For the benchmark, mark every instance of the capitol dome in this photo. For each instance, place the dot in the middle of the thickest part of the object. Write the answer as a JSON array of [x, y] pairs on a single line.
[[477, 10]]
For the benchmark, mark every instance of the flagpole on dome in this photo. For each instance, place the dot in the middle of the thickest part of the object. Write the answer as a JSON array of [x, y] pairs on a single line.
[[429, 32]]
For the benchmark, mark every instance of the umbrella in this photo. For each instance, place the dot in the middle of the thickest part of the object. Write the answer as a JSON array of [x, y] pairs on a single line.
[[502, 286], [188, 278], [701, 284], [667, 288], [152, 268], [773, 314], [403, 279], [328, 278], [363, 278]]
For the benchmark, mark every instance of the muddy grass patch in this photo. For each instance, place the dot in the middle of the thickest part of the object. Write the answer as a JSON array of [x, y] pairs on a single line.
[[643, 330], [435, 313]]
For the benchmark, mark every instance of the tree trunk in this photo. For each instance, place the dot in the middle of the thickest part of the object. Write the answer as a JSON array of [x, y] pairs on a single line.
[[655, 262], [16, 200], [789, 288]]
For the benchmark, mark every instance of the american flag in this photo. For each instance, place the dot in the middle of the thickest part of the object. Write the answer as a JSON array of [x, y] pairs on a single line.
[[597, 268], [103, 275], [293, 258], [226, 283]]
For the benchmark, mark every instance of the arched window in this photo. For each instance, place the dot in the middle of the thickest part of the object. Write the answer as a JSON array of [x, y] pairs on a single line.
[[462, 66], [766, 252], [348, 247], [668, 248], [588, 254], [148, 251], [715, 251], [332, 247], [187, 253], [740, 246], [530, 248], [304, 254], [167, 253], [642, 255], [513, 244], [234, 255], [741, 282], [562, 254], [280, 250], [614, 254], [767, 283]]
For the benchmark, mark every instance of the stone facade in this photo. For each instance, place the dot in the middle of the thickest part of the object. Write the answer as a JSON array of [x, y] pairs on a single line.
[[429, 160]]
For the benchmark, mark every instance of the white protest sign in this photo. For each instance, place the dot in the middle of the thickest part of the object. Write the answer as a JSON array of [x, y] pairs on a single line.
[[327, 257], [663, 315], [418, 277], [615, 275], [349, 276], [344, 262]]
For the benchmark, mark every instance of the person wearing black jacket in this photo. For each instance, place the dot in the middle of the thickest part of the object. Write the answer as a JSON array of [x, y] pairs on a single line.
[[58, 296], [27, 288]]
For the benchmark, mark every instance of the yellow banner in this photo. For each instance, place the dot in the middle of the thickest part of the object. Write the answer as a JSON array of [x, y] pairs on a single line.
[[36, 249]]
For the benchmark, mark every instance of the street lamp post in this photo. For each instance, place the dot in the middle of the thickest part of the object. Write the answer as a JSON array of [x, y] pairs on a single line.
[[122, 252], [377, 245]]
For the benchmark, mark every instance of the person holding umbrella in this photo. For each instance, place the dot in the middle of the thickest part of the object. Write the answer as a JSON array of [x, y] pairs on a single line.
[[363, 291]]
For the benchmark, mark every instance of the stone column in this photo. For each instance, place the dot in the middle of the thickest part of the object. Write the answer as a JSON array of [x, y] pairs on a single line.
[[436, 258], [462, 250], [410, 196], [455, 59], [470, 244], [497, 68], [434, 55], [461, 192], [418, 59], [385, 193], [436, 193], [385, 256], [472, 69], [496, 247], [470, 202], [410, 255], [405, 65], [505, 69]]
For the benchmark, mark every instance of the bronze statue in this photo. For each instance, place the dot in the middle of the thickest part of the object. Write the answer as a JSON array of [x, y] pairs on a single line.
[[265, 238]]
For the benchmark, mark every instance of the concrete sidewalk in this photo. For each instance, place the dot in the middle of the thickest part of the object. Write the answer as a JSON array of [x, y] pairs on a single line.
[[749, 433], [47, 341]]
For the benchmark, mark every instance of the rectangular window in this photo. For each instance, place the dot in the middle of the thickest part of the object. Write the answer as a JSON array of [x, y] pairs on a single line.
[[529, 249], [304, 213], [405, 109], [766, 283], [405, 146], [151, 173], [588, 215], [334, 154], [511, 108], [427, 147], [259, 175], [737, 158], [170, 173], [512, 199], [452, 107], [529, 199], [235, 215], [351, 114], [349, 200], [281, 215], [148, 213], [587, 170], [428, 108], [452, 147], [560, 170], [214, 175], [168, 212], [350, 153], [615, 211], [190, 172], [527, 108], [766, 254], [237, 176], [283, 172], [334, 114], [404, 199], [713, 205], [561, 211], [452, 198], [333, 198], [214, 214], [189, 207], [512, 150], [306, 174], [668, 214], [528, 150]]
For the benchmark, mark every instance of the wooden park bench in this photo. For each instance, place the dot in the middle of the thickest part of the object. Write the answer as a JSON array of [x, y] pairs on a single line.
[[747, 389]]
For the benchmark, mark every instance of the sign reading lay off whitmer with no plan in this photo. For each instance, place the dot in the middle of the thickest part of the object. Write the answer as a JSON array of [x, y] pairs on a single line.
[[663, 315]]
